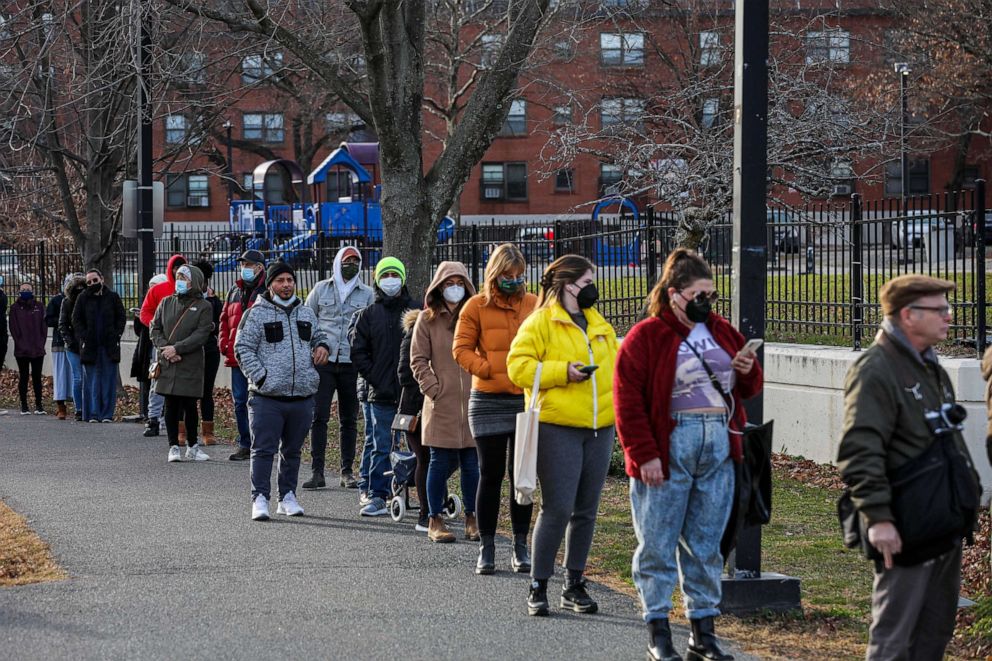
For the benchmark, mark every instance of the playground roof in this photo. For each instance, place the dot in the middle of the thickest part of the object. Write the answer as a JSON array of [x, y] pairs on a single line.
[[366, 153], [339, 157]]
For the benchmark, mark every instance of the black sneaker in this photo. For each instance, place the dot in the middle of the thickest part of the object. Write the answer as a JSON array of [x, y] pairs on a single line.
[[348, 481], [575, 598], [151, 428], [315, 482], [241, 454], [537, 600]]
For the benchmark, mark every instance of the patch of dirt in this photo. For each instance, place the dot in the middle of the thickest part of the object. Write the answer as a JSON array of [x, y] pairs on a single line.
[[24, 558]]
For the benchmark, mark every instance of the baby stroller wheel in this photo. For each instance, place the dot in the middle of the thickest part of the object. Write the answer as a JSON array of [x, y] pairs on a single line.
[[397, 508], [396, 486], [452, 506]]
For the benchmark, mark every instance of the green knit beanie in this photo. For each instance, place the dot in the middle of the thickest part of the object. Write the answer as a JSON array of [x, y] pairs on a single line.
[[390, 264]]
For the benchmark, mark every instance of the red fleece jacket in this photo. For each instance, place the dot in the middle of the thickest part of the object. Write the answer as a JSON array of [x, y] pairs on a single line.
[[160, 291], [645, 377]]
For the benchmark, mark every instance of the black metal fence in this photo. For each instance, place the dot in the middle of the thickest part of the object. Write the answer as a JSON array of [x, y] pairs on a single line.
[[826, 262]]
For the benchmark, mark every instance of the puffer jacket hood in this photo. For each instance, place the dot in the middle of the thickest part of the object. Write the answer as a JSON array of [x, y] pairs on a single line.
[[74, 284], [447, 270], [408, 320]]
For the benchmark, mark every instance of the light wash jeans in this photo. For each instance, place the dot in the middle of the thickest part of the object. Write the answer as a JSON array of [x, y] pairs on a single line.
[[366, 461], [156, 402], [680, 523], [76, 366]]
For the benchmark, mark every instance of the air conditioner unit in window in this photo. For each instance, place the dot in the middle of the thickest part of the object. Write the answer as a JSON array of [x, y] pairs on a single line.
[[198, 201], [492, 192], [843, 189]]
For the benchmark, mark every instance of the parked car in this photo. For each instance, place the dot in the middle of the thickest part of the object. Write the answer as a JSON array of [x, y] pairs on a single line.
[[911, 229], [537, 243], [785, 231], [988, 228]]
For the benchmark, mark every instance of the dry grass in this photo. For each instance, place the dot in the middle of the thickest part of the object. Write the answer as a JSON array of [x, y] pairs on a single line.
[[24, 558]]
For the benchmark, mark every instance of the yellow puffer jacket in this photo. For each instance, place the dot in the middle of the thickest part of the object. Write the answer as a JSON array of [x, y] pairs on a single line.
[[550, 336]]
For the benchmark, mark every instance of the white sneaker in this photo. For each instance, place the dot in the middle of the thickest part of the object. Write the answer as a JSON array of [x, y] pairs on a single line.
[[289, 506], [260, 508], [175, 454], [194, 453]]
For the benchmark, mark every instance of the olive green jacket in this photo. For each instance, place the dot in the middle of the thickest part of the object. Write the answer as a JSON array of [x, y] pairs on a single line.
[[884, 424], [185, 322]]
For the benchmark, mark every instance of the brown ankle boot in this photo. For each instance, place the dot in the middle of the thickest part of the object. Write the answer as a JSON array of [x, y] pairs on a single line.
[[437, 531], [208, 433], [60, 413], [182, 433], [471, 527]]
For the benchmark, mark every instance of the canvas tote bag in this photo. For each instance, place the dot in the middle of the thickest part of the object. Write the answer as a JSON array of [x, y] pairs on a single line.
[[525, 446]]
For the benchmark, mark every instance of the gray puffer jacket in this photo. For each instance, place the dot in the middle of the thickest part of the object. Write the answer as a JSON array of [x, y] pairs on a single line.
[[274, 346]]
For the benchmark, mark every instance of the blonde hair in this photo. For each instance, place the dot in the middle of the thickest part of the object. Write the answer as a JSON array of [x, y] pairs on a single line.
[[682, 268], [507, 256], [563, 271]]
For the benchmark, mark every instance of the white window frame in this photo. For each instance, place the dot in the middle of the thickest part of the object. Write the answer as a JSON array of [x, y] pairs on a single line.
[[256, 67], [515, 123], [709, 48], [491, 46], [832, 46], [176, 129], [621, 111], [624, 49], [711, 110], [268, 125]]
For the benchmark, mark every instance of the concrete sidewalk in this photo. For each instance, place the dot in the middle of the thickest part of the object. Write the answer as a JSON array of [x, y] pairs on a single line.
[[165, 563]]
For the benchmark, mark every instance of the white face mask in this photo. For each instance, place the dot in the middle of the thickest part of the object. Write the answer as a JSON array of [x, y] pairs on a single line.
[[454, 293], [391, 286], [285, 302]]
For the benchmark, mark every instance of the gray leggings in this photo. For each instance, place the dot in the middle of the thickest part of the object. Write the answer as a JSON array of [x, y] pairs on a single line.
[[571, 467]]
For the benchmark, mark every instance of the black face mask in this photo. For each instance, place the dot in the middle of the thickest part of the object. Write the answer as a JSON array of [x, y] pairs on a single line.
[[697, 310], [94, 288], [587, 296]]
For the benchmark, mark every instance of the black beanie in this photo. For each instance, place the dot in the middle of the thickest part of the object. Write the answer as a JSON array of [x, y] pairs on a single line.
[[274, 271]]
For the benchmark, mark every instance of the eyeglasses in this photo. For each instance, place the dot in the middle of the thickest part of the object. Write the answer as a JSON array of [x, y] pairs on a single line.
[[942, 310], [703, 296]]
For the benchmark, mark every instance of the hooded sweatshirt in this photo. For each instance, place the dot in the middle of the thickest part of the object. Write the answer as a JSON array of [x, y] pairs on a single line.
[[158, 293], [184, 322], [335, 303], [72, 291], [27, 327]]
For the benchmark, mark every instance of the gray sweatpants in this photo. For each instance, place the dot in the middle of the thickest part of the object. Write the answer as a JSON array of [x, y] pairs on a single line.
[[571, 469], [913, 610], [277, 426]]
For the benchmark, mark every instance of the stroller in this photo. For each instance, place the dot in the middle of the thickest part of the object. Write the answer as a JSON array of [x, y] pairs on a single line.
[[404, 464]]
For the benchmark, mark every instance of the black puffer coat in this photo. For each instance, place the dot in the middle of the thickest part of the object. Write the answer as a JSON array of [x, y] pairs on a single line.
[[411, 399], [98, 321], [375, 344]]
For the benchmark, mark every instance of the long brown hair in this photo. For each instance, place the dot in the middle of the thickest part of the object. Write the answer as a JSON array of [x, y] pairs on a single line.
[[563, 271], [682, 268], [506, 256]]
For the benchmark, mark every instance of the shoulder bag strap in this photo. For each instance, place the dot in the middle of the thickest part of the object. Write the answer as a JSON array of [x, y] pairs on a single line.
[[179, 321], [715, 381], [536, 389]]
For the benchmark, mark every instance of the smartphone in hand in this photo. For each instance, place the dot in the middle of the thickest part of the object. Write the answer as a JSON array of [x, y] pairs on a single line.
[[752, 346], [588, 369]]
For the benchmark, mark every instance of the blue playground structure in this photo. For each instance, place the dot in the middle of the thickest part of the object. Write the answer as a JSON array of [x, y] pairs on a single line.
[[617, 247]]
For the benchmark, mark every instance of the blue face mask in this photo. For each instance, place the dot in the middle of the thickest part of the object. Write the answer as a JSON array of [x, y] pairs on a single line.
[[247, 274], [26, 296], [285, 302], [182, 287]]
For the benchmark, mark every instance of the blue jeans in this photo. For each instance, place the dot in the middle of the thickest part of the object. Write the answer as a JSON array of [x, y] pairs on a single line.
[[444, 463], [680, 523], [77, 380], [239, 393], [382, 443], [100, 388], [366, 460]]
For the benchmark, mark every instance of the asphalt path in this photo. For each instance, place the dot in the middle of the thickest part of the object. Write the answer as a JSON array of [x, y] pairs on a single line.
[[165, 563]]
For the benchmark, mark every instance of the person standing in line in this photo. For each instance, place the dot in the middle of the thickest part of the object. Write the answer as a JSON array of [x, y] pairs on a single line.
[[575, 348], [412, 403], [99, 321], [181, 326], [142, 358], [335, 301], [155, 295], [211, 355], [242, 296], [888, 426], [279, 345], [486, 327], [681, 430], [61, 372], [29, 332], [3, 326], [72, 291], [375, 351], [446, 387]]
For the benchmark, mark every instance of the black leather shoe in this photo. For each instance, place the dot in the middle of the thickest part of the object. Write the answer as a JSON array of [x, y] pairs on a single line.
[[241, 454], [537, 599], [520, 560], [660, 647], [151, 427], [575, 598], [315, 482], [487, 556], [348, 481], [703, 644]]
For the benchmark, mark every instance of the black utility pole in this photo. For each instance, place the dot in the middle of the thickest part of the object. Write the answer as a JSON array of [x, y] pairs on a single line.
[[230, 164], [746, 590], [146, 228]]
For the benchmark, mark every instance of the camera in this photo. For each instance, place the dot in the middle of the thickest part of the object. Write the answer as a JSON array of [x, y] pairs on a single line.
[[947, 419]]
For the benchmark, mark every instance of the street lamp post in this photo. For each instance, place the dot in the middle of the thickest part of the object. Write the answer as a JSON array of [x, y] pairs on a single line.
[[230, 163], [902, 68]]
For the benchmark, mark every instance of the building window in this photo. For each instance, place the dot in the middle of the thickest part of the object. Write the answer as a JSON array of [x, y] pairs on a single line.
[[625, 50], [919, 177], [176, 129], [613, 112], [562, 115], [709, 48], [710, 109], [969, 174], [491, 44], [191, 68], [565, 181], [610, 177], [246, 181], [258, 66], [338, 185], [263, 127], [337, 122], [829, 46], [515, 123], [187, 190], [504, 181]]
